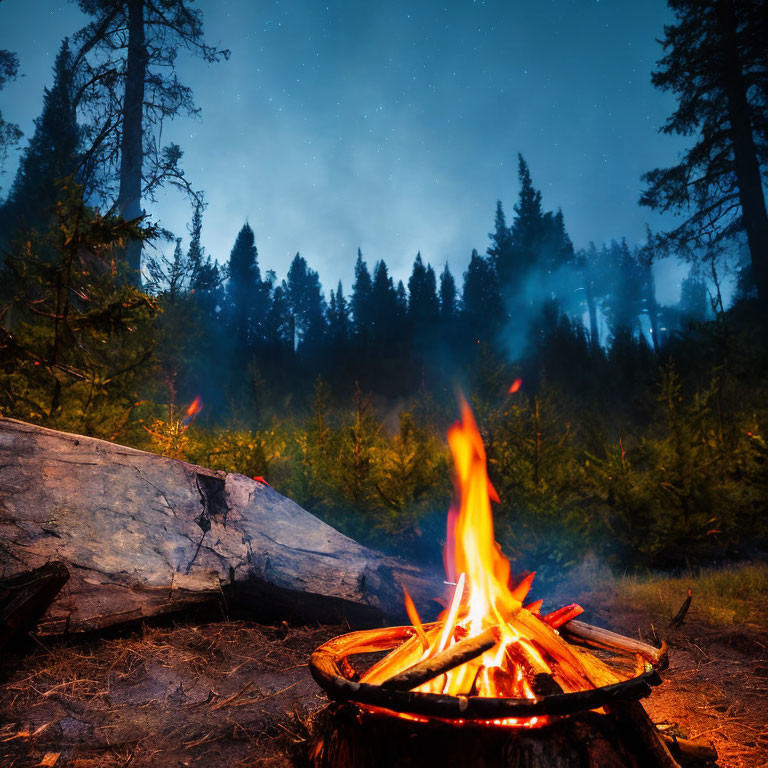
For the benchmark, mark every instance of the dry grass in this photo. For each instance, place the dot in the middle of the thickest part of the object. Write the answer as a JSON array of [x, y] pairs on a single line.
[[722, 597]]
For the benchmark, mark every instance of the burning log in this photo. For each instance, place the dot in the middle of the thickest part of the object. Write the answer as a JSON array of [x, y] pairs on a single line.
[[143, 535], [458, 654]]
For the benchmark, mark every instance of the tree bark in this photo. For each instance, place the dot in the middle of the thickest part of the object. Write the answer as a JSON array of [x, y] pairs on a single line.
[[132, 141], [747, 168], [144, 535]]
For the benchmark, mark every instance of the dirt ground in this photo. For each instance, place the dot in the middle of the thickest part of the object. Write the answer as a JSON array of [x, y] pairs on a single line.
[[239, 694]]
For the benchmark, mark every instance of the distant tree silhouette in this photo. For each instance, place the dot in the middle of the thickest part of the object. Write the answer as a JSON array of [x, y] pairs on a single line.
[[360, 302], [447, 298], [694, 303], [10, 134], [623, 303], [500, 249], [423, 306], [339, 328], [526, 233], [307, 303], [279, 330], [51, 155], [401, 301], [481, 304], [383, 308], [715, 58], [245, 293]]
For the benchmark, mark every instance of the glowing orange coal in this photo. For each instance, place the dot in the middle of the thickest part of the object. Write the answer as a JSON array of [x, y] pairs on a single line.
[[484, 598]]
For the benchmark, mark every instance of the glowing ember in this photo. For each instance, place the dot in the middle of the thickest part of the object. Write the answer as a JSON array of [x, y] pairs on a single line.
[[484, 599], [515, 386], [194, 409]]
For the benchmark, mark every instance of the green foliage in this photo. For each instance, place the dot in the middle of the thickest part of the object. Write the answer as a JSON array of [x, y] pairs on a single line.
[[75, 340]]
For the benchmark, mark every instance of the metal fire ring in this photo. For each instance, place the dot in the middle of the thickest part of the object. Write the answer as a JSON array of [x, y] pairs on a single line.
[[325, 669]]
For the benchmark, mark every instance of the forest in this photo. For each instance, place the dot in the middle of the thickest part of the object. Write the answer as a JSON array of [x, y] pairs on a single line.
[[615, 425]]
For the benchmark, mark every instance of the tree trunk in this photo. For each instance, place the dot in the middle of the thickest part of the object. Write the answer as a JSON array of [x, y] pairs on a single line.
[[746, 164], [143, 535], [131, 144]]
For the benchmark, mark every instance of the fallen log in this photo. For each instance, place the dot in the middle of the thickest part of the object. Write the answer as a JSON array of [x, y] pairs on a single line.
[[143, 535]]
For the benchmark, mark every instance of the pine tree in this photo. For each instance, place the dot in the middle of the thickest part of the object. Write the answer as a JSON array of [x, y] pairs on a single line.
[[448, 305], [383, 305], [714, 62], [557, 248], [360, 303], [52, 155], [76, 344], [245, 292], [279, 328], [500, 249], [527, 233], [196, 254], [204, 274], [481, 304], [305, 297], [10, 134], [401, 301], [423, 306], [338, 319]]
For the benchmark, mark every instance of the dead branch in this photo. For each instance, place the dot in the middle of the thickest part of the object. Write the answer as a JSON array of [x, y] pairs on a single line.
[[677, 619]]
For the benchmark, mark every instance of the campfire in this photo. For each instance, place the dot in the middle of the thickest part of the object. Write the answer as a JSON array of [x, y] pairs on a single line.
[[491, 661]]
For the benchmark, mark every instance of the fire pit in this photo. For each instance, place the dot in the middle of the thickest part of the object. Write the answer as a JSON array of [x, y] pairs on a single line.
[[492, 682]]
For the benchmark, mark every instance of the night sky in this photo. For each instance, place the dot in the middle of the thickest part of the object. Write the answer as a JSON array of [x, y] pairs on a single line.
[[395, 126]]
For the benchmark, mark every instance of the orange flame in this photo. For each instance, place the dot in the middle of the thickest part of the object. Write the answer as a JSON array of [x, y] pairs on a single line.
[[484, 597], [515, 386]]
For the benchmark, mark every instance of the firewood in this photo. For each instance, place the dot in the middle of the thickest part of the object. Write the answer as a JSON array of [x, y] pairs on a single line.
[[678, 618], [324, 667], [596, 637], [143, 535], [455, 656]]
